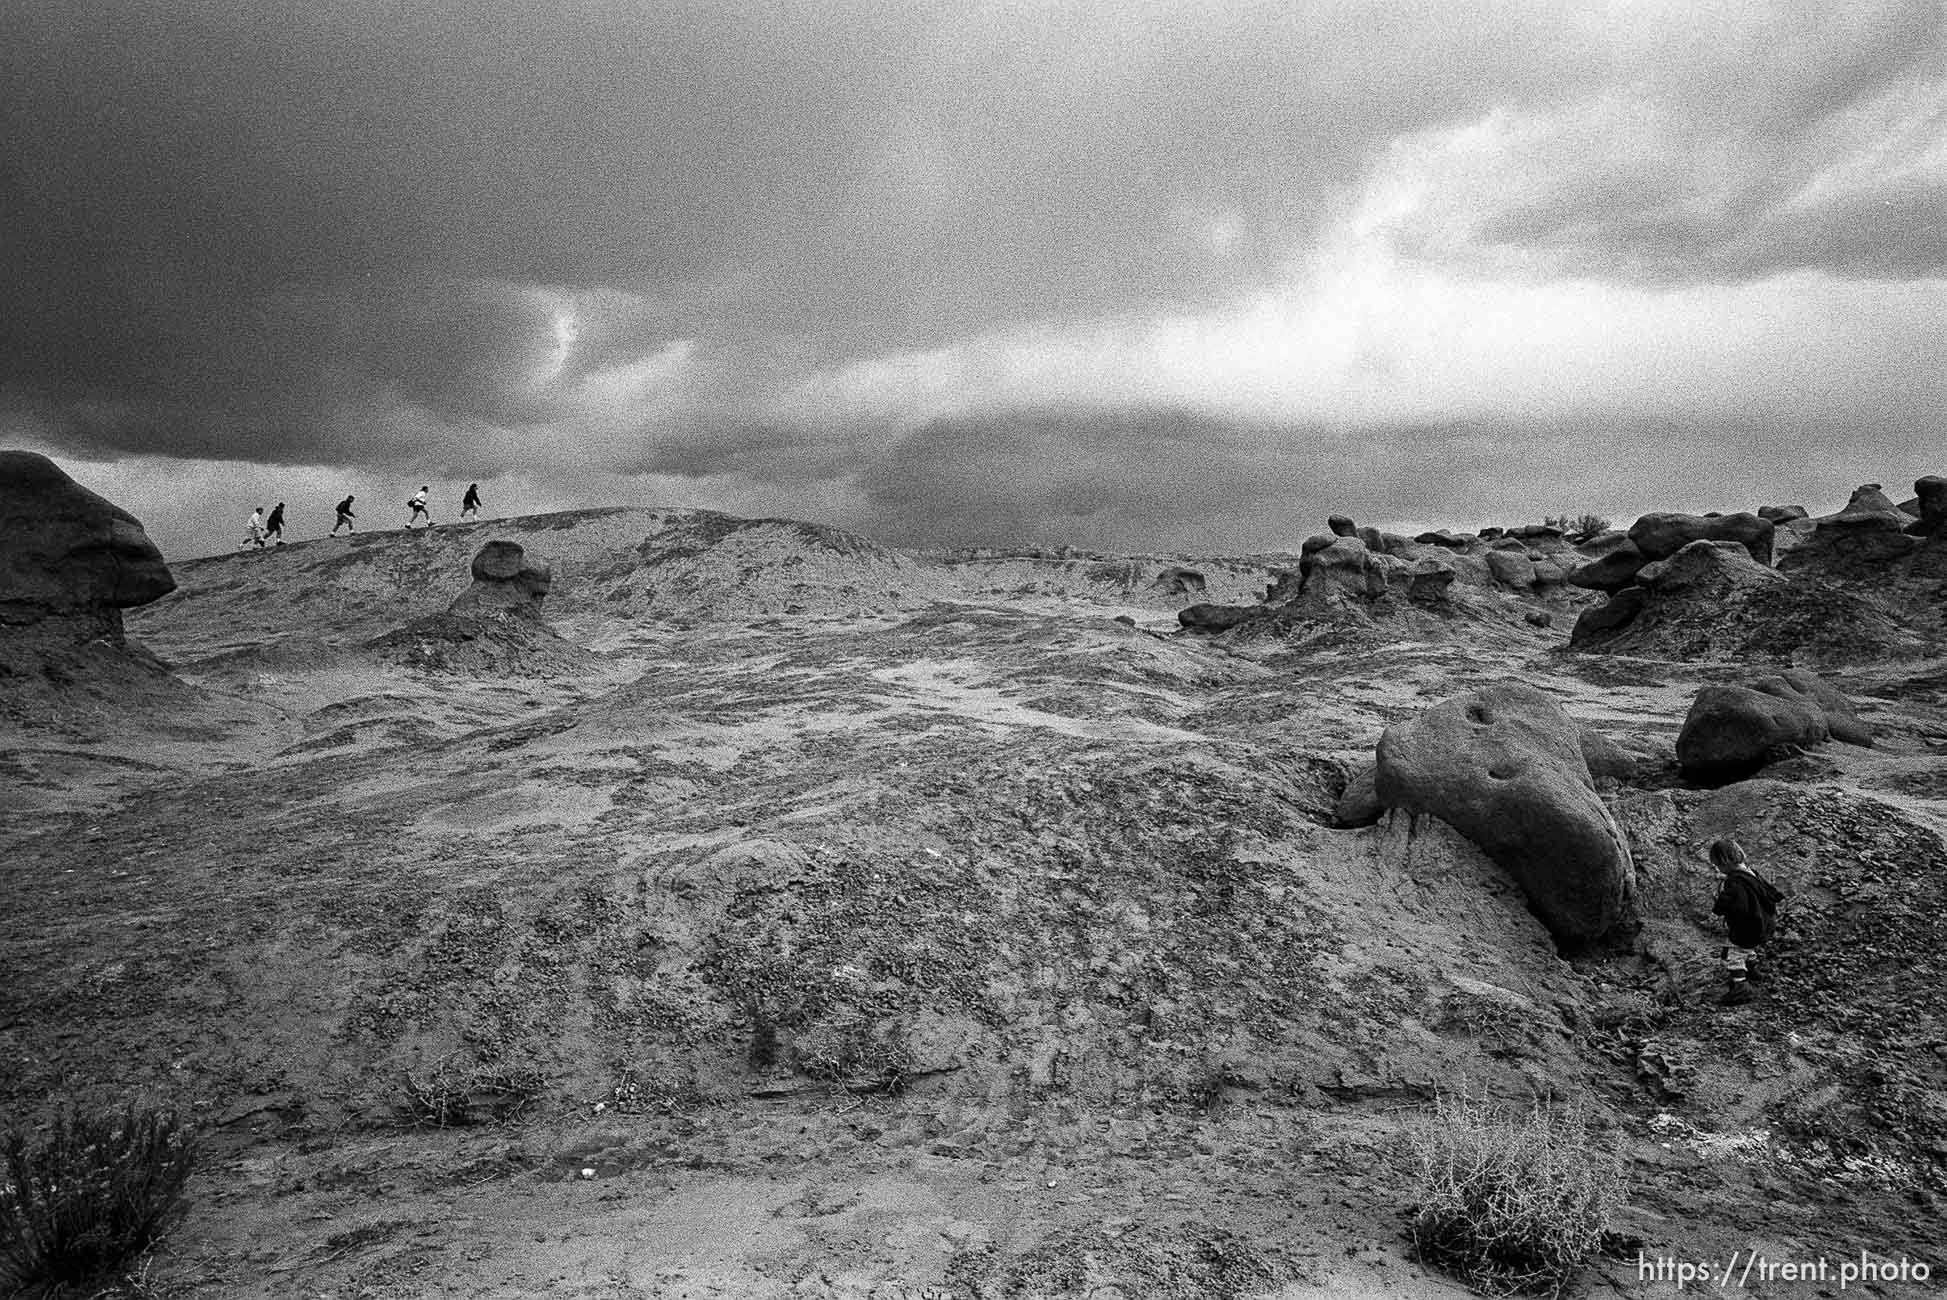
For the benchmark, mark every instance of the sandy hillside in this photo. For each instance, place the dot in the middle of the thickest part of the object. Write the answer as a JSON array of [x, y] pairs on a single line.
[[838, 921]]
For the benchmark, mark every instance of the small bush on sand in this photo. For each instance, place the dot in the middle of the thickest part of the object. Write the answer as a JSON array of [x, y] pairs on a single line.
[[1509, 1203], [88, 1196]]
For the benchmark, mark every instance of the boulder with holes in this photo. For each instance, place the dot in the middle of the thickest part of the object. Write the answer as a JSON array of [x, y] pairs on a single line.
[[1505, 767]]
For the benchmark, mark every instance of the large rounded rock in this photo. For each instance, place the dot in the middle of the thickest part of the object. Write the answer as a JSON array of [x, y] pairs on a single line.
[[1732, 731], [1504, 766], [1663, 534], [68, 554]]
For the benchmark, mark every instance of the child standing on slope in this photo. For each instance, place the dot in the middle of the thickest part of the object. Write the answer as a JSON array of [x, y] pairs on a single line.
[[1749, 905], [418, 503], [256, 527]]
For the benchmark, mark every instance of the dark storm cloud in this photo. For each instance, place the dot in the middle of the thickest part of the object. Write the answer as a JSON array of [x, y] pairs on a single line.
[[230, 224]]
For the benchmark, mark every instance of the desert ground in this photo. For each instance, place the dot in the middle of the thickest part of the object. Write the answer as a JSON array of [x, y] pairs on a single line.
[[793, 916]]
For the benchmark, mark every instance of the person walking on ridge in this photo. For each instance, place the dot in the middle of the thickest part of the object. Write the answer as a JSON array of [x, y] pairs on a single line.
[[256, 527], [274, 526], [1749, 905], [418, 503], [345, 517], [470, 503]]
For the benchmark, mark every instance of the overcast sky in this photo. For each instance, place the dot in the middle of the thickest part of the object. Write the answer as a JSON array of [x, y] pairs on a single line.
[[1124, 275]]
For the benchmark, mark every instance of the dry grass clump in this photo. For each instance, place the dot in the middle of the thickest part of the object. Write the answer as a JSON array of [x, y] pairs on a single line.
[[1510, 1203], [89, 1195]]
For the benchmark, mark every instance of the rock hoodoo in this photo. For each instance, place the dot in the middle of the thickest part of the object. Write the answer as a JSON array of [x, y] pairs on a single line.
[[1732, 731], [1505, 767], [506, 580], [70, 561]]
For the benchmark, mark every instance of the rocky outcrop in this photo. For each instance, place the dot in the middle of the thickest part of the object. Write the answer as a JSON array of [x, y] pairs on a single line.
[[70, 561], [1732, 731], [1858, 542], [1504, 766]]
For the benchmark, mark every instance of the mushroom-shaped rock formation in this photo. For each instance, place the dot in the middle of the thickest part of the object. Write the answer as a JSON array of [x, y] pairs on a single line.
[[70, 561], [494, 627], [506, 581], [1661, 535], [1732, 731], [1930, 496], [1504, 766]]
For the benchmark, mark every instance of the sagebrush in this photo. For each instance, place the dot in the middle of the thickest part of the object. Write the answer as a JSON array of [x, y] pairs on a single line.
[[1510, 1202], [84, 1198]]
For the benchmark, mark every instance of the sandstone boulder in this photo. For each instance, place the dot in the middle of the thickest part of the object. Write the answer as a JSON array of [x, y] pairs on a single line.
[[1732, 731], [1445, 539], [1664, 534], [1342, 526], [69, 557], [1782, 514], [1504, 766]]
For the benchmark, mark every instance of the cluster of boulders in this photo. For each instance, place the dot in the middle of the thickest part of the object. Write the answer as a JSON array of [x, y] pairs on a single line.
[[1511, 771], [70, 561], [1775, 583], [1365, 568]]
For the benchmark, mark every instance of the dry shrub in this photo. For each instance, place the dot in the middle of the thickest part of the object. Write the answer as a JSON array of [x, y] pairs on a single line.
[[1510, 1203], [456, 1095], [89, 1195]]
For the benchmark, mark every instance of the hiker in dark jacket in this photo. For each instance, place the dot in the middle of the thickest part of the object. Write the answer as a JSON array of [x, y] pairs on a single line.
[[470, 504], [1749, 905], [274, 526], [345, 517]]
